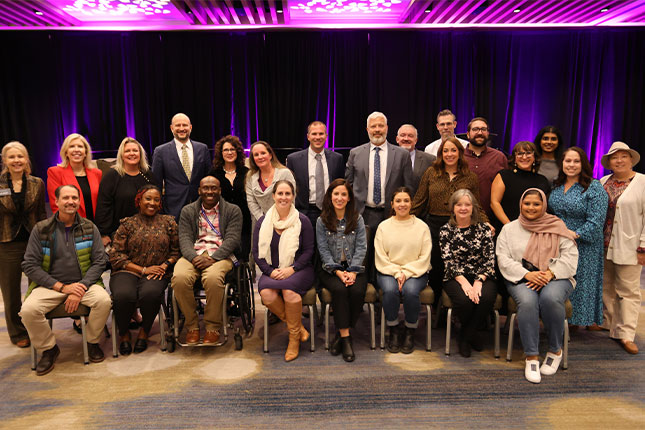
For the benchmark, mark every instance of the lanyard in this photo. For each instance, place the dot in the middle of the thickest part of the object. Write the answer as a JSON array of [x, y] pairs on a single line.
[[209, 222]]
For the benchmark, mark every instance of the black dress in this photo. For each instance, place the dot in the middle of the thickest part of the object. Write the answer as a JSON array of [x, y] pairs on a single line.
[[515, 184]]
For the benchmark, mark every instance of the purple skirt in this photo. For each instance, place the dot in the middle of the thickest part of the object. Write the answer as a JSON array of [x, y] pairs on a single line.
[[300, 282]]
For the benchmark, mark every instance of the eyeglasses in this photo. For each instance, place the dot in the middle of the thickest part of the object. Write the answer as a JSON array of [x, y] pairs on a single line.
[[229, 150], [478, 129], [524, 154]]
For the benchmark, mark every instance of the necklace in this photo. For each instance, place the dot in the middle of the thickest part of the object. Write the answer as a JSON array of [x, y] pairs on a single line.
[[229, 172]]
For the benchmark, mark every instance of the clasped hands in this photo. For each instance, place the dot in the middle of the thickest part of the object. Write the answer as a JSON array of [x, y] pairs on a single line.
[[75, 293], [537, 279], [472, 291], [282, 273], [347, 278]]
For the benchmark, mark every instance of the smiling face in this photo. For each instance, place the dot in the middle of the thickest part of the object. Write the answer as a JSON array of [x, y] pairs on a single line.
[[450, 154], [524, 159], [68, 200], [478, 134], [620, 162], [76, 152], [549, 143], [377, 130], [340, 197], [532, 207], [131, 154], [402, 203], [261, 156], [181, 127], [407, 138], [571, 164], [446, 126], [463, 210], [317, 136], [229, 153], [209, 190], [150, 203], [15, 161], [283, 196]]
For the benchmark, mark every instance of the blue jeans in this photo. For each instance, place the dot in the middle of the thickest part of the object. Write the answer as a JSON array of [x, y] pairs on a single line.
[[392, 299], [548, 302]]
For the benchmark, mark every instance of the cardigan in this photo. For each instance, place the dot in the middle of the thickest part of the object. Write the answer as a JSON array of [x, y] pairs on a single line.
[[34, 208], [260, 201]]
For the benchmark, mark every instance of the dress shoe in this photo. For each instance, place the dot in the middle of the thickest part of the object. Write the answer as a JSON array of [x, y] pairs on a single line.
[[629, 346], [464, 348], [95, 352], [393, 344], [346, 347], [23, 343], [125, 348], [211, 337], [46, 363], [408, 341], [477, 342], [192, 337], [140, 345], [335, 348], [77, 327]]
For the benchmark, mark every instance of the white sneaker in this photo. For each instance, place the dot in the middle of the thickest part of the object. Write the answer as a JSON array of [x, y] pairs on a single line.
[[532, 372], [551, 363]]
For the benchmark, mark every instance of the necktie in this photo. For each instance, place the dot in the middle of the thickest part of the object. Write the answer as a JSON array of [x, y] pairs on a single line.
[[320, 181], [185, 162], [377, 176]]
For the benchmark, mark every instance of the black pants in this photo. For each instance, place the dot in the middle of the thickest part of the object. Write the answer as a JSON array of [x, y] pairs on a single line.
[[129, 290], [435, 278], [347, 302], [372, 218], [11, 254], [471, 315]]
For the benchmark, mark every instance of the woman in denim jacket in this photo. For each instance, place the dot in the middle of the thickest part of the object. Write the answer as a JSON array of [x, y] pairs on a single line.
[[340, 234]]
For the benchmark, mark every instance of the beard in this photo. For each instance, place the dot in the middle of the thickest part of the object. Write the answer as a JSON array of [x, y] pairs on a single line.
[[474, 142], [377, 140]]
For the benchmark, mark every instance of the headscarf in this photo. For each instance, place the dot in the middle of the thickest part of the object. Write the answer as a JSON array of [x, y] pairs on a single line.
[[289, 239], [544, 243]]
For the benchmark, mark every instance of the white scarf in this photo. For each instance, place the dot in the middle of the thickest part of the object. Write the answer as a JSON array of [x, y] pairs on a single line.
[[289, 239]]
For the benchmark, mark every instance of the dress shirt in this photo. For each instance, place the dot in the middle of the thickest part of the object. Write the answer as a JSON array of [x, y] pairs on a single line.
[[433, 147], [311, 160], [486, 166], [207, 239], [413, 155], [189, 149], [370, 180]]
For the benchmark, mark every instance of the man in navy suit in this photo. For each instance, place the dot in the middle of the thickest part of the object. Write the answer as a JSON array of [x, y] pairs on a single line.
[[407, 137], [314, 169], [179, 165]]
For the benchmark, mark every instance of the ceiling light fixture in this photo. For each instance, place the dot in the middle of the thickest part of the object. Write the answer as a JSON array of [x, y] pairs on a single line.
[[517, 10], [39, 13], [604, 9]]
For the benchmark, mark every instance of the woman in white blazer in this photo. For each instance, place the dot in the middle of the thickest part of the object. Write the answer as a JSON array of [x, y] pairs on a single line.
[[624, 235]]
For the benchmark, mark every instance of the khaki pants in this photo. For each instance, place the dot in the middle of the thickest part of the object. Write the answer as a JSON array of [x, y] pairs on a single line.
[[42, 300], [621, 297], [183, 279]]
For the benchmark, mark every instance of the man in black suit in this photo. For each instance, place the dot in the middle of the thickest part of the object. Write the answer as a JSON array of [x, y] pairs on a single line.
[[407, 137], [314, 169]]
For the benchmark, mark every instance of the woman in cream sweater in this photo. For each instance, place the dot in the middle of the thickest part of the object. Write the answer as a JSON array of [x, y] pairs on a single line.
[[402, 248]]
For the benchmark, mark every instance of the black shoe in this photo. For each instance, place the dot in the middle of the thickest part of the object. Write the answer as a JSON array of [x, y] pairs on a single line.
[[408, 341], [140, 345], [464, 348], [335, 347], [95, 352], [393, 344], [46, 363], [273, 318], [77, 328], [477, 342], [348, 351], [125, 348]]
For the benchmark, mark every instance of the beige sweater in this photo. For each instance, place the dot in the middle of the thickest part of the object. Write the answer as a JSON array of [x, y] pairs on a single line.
[[402, 246]]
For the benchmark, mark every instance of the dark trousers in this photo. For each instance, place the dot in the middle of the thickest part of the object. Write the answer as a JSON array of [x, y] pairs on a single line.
[[435, 278], [347, 302], [11, 254], [372, 218], [471, 315], [128, 291], [312, 212]]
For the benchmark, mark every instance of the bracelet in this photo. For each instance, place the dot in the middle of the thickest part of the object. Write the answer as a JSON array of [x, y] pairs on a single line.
[[143, 271], [552, 274], [640, 250]]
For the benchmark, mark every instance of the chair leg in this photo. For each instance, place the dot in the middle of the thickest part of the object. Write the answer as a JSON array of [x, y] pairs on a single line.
[[448, 328], [115, 351], [382, 328], [326, 308], [162, 328], [429, 328], [227, 290], [565, 347], [86, 356], [496, 334], [175, 314], [370, 306], [266, 330], [34, 356], [312, 324], [511, 329]]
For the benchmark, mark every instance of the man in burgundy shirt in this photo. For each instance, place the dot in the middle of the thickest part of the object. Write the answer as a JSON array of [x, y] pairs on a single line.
[[485, 161]]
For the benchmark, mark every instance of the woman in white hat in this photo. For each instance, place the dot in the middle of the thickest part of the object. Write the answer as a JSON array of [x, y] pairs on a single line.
[[624, 235]]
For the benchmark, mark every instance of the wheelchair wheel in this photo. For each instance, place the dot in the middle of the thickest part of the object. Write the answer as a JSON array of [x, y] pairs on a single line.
[[246, 298]]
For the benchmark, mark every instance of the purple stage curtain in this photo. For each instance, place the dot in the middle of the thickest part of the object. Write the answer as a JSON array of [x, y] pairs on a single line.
[[269, 85]]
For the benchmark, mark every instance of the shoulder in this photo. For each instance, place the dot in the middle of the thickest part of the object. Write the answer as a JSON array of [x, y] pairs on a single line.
[[332, 154], [298, 154], [34, 180], [359, 149], [199, 145], [167, 220], [283, 173], [55, 171], [95, 172], [304, 219], [165, 146]]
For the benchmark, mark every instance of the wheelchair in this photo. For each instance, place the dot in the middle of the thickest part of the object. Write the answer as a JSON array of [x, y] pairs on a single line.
[[238, 309]]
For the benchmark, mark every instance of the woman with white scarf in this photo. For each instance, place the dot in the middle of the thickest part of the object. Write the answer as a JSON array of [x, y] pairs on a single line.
[[283, 245]]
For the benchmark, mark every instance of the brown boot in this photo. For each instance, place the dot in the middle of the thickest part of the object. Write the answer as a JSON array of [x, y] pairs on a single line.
[[277, 307], [294, 325]]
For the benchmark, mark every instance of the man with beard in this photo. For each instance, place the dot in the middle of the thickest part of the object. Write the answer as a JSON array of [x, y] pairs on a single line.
[[407, 137], [374, 170], [446, 124], [486, 162]]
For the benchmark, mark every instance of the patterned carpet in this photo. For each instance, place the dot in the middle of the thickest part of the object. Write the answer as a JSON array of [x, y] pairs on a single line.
[[222, 388]]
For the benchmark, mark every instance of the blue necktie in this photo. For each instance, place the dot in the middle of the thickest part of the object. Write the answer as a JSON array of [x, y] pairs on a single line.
[[377, 176]]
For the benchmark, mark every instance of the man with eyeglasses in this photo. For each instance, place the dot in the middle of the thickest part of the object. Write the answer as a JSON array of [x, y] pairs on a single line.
[[446, 123], [485, 161]]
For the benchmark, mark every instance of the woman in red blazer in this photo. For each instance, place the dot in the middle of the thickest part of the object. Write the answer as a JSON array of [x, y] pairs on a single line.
[[78, 169]]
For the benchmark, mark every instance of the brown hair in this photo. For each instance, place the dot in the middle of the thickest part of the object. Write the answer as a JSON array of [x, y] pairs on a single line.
[[526, 146], [254, 167], [218, 158], [328, 214], [438, 167], [399, 190], [475, 218], [586, 173]]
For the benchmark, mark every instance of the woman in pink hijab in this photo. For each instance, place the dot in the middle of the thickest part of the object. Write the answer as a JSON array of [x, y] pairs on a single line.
[[538, 258]]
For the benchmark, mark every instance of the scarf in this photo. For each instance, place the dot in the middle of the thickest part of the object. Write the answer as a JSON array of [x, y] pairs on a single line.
[[289, 239]]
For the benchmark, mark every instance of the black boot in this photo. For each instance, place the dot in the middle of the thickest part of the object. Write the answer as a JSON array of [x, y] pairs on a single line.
[[46, 363], [348, 351], [408, 341], [335, 347], [464, 346], [393, 344]]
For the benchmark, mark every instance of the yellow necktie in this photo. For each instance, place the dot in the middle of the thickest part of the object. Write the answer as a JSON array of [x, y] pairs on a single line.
[[185, 162]]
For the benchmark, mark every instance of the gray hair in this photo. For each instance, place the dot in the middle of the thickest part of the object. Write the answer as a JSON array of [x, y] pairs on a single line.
[[475, 218], [376, 114], [408, 125]]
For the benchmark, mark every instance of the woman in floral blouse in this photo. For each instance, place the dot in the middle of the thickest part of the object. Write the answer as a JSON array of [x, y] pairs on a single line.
[[144, 247], [469, 258]]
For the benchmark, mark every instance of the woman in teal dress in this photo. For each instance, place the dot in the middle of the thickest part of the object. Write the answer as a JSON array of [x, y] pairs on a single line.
[[581, 202]]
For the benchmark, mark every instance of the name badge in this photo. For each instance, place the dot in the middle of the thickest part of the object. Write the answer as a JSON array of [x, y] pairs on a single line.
[[5, 192]]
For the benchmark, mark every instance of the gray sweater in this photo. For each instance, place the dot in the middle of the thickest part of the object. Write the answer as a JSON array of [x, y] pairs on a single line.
[[230, 226]]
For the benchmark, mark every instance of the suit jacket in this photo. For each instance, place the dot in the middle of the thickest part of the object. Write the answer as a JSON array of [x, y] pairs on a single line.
[[422, 161], [397, 174], [57, 176], [298, 162], [167, 168], [33, 211]]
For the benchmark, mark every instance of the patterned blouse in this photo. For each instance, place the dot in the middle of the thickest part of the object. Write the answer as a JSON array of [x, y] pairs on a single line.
[[615, 189], [467, 251], [145, 242]]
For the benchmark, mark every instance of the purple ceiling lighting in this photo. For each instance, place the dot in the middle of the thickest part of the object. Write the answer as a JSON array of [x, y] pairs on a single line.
[[248, 14]]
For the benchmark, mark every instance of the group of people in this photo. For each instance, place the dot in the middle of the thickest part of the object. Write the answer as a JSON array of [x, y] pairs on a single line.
[[460, 216]]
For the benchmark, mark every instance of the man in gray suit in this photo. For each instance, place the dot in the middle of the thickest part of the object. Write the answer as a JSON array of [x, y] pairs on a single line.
[[374, 170], [407, 137]]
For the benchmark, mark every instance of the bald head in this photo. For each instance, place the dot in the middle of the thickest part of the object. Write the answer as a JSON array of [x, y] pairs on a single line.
[[209, 191], [181, 127]]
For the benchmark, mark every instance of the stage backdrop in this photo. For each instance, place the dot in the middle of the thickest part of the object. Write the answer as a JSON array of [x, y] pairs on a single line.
[[268, 85]]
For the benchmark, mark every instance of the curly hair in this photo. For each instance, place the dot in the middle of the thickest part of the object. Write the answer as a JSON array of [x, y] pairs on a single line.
[[218, 158]]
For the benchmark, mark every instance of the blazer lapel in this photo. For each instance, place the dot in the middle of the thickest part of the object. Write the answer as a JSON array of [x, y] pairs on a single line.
[[391, 153], [174, 157]]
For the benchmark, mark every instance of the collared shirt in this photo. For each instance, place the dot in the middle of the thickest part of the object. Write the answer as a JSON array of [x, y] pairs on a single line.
[[413, 156], [311, 160], [189, 149], [433, 147], [486, 166], [207, 239], [370, 180]]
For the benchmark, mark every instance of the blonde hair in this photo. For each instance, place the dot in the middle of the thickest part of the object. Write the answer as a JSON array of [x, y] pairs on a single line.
[[20, 147], [88, 163], [143, 157]]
